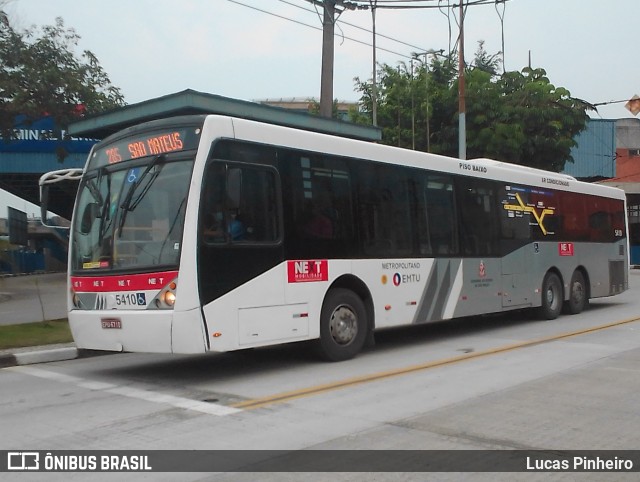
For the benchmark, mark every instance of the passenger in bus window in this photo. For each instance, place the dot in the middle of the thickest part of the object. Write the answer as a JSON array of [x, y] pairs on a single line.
[[214, 230], [318, 224], [237, 230]]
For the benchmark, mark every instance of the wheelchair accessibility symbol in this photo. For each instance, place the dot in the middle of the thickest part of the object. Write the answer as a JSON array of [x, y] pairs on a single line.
[[132, 175], [141, 299]]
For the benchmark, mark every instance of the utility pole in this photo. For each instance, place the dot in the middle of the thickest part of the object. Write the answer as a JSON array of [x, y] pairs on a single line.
[[374, 86], [326, 78], [328, 27], [462, 133]]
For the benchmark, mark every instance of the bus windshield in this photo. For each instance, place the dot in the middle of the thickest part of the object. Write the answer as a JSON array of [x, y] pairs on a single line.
[[131, 218]]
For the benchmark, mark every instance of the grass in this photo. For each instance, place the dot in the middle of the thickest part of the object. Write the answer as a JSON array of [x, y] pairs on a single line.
[[34, 334]]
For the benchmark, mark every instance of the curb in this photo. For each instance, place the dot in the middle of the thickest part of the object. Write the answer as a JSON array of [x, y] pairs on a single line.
[[47, 355], [38, 356]]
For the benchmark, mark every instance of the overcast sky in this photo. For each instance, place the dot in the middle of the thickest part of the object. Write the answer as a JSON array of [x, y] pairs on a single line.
[[152, 48]]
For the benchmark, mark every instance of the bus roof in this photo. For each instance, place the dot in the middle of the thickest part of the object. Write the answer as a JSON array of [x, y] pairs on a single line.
[[480, 168], [285, 136]]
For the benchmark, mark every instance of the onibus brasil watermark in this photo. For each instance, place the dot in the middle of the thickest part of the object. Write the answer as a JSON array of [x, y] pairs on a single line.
[[320, 460], [48, 462]]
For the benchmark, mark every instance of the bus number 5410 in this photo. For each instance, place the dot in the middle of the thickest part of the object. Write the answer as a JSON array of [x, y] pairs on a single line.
[[129, 299]]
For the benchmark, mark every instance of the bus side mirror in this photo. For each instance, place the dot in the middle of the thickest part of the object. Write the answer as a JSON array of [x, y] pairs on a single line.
[[53, 177], [44, 209], [44, 203]]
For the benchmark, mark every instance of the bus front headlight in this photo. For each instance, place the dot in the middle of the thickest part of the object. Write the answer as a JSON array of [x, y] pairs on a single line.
[[166, 298], [169, 298]]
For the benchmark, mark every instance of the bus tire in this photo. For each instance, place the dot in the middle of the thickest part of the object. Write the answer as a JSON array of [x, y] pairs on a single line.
[[343, 325], [552, 298], [578, 298]]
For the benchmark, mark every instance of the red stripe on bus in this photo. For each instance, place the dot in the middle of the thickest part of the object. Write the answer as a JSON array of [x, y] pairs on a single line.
[[124, 282]]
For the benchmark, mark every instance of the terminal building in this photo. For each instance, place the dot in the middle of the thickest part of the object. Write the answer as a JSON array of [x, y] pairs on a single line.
[[608, 152], [40, 148]]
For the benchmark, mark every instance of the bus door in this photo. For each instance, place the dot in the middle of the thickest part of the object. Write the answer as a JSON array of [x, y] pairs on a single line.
[[239, 230], [516, 280], [516, 248], [479, 236]]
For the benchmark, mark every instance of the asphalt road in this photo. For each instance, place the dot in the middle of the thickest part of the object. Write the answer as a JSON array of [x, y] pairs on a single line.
[[29, 298], [510, 382]]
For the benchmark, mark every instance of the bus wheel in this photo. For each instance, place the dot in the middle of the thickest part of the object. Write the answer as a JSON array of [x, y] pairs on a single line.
[[577, 294], [343, 325], [551, 297]]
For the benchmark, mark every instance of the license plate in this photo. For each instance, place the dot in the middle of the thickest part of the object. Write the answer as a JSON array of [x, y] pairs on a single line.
[[111, 323]]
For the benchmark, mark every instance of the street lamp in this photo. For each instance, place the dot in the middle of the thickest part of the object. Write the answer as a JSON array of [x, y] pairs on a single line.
[[426, 75]]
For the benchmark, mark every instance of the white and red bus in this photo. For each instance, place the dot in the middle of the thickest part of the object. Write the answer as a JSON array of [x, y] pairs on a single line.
[[212, 233]]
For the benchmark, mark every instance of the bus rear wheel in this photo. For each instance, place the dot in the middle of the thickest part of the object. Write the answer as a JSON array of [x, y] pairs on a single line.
[[552, 298], [578, 298], [343, 325]]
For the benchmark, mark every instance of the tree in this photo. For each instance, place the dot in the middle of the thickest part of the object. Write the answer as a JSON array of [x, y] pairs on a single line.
[[486, 62], [401, 105], [548, 117], [40, 74], [517, 117]]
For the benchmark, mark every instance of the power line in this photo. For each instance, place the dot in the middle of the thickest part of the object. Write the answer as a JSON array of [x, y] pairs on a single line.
[[274, 14], [366, 6], [357, 26], [392, 4], [611, 102], [318, 28]]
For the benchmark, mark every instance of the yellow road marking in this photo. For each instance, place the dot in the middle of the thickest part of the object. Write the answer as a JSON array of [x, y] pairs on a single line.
[[349, 382]]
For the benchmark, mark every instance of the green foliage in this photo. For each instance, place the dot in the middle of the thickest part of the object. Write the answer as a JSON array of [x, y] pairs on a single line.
[[486, 62], [315, 108], [41, 74], [517, 117]]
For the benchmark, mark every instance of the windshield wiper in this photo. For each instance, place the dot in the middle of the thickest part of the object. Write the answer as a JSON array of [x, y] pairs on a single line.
[[129, 204], [95, 190], [105, 215], [173, 225]]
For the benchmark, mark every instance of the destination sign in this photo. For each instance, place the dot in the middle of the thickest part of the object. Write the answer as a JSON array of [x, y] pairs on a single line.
[[147, 144]]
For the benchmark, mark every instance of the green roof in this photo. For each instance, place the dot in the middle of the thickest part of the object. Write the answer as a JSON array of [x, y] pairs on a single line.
[[193, 102]]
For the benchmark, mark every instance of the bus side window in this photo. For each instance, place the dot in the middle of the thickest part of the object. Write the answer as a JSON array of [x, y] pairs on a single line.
[[478, 214], [212, 218], [320, 204], [239, 204], [440, 218], [257, 208], [385, 211], [572, 208]]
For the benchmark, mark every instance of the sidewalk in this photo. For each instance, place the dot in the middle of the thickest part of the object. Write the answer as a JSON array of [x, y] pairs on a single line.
[[33, 297], [36, 297]]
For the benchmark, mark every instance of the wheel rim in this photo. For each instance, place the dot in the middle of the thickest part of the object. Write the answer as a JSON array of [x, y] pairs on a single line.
[[343, 325], [552, 296]]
